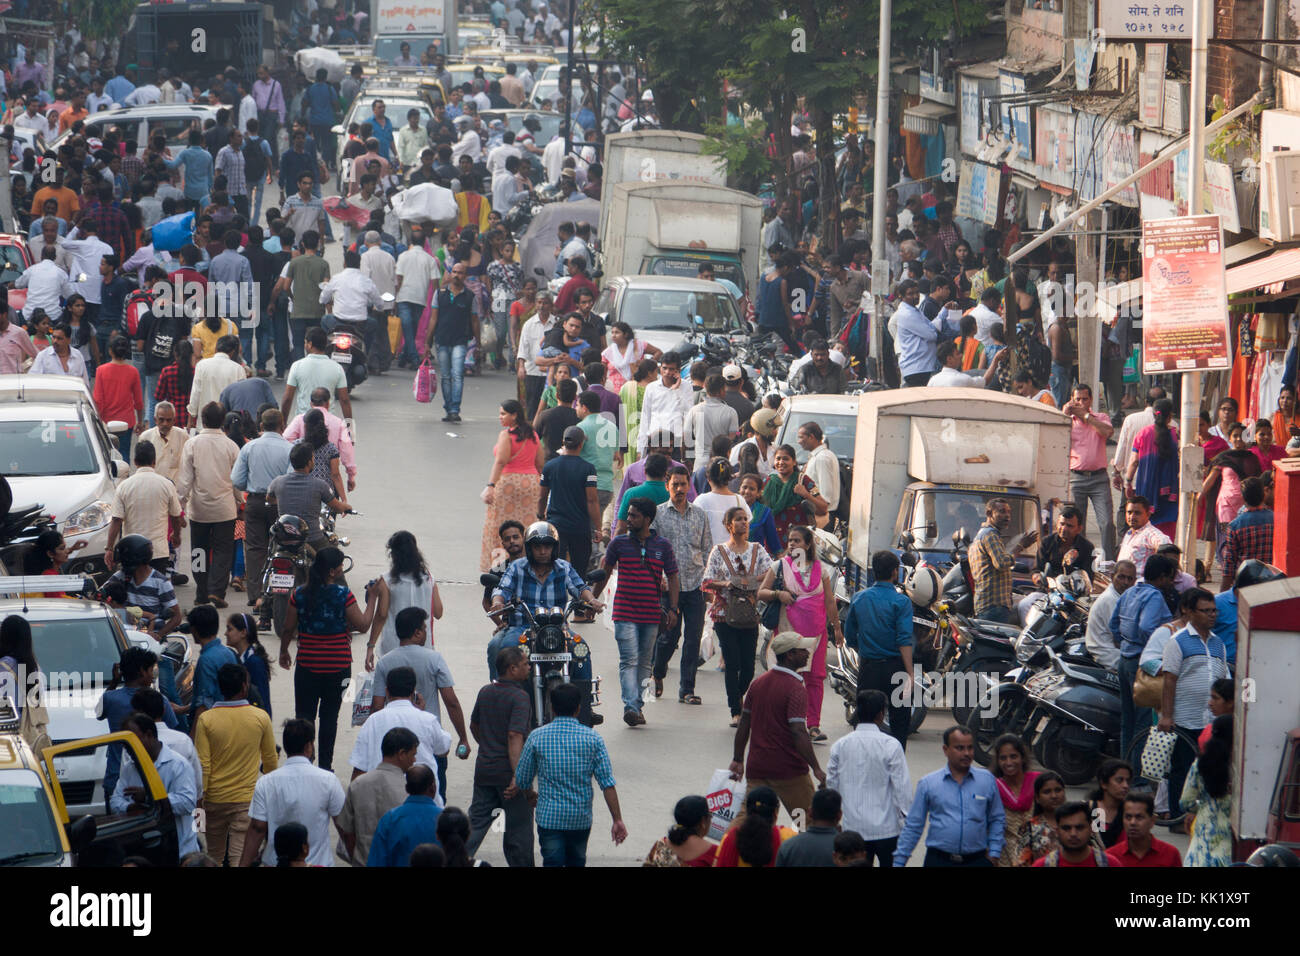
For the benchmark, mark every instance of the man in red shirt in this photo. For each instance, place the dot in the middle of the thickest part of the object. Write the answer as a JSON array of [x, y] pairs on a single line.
[[774, 724], [1074, 830], [1137, 847], [567, 300]]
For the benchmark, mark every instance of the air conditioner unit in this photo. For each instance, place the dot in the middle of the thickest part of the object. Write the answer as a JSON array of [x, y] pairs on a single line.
[[1279, 206]]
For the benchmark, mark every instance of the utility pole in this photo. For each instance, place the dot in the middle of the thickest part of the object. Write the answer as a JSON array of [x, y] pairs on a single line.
[[879, 263], [1190, 455]]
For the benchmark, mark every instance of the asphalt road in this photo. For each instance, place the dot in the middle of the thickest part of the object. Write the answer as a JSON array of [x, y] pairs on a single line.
[[422, 475]]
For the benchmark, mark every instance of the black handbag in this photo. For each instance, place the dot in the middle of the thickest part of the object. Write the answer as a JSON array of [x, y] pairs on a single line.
[[769, 614]]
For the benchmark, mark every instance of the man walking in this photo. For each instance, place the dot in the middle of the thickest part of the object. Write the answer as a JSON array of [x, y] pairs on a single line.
[[686, 529], [1250, 534], [315, 370], [643, 558], [531, 336], [454, 320], [409, 825], [260, 462], [707, 420], [774, 726], [205, 487], [500, 722], [214, 374], [991, 563], [1138, 612], [1088, 433], [564, 756], [235, 744], [665, 404], [302, 278], [869, 771], [373, 794], [415, 271], [145, 503], [569, 500], [879, 624], [961, 803], [400, 711], [296, 793]]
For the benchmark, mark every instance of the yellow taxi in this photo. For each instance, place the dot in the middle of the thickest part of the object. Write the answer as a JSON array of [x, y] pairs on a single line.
[[31, 833]]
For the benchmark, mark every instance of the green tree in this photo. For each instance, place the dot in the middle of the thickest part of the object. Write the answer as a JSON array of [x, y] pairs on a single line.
[[97, 19]]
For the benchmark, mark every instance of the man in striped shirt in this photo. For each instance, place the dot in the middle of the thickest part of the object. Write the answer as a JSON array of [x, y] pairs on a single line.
[[230, 162]]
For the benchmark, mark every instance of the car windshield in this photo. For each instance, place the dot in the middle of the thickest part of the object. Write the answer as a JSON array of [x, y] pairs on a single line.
[[28, 831], [688, 267], [76, 651], [42, 449], [677, 309], [11, 263], [938, 512], [840, 431], [389, 48]]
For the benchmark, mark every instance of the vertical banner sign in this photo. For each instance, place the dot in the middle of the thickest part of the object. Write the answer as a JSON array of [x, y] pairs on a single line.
[[1184, 295], [1153, 85]]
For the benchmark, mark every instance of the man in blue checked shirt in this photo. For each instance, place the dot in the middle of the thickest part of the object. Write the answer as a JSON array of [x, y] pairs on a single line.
[[540, 580], [967, 820], [1139, 611], [563, 756]]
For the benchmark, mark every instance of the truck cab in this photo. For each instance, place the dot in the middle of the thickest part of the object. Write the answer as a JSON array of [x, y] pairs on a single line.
[[932, 511]]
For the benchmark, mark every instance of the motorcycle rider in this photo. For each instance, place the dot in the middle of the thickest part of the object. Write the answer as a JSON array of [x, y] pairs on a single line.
[[146, 588], [541, 580], [353, 294]]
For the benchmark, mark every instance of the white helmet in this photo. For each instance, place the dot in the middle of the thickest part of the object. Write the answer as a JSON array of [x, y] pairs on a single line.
[[923, 586]]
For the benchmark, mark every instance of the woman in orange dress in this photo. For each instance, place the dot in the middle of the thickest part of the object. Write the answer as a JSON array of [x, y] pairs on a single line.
[[512, 490]]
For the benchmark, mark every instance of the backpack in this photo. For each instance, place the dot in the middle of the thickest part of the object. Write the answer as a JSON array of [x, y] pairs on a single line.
[[255, 162], [138, 304]]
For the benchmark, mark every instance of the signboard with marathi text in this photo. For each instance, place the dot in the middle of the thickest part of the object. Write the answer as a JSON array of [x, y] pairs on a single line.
[[410, 16], [1145, 19], [1184, 296]]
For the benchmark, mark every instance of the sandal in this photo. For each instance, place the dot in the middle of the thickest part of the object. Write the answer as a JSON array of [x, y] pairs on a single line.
[[237, 584], [816, 734], [659, 686], [689, 699]]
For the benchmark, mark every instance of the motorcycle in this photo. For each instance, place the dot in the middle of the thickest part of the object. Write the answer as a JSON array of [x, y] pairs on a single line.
[[552, 646], [287, 564], [347, 344]]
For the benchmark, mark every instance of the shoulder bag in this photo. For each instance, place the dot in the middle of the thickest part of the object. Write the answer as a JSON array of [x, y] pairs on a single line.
[[770, 611], [741, 603]]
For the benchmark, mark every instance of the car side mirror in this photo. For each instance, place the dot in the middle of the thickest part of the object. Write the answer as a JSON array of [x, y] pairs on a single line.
[[909, 558], [906, 539], [956, 538]]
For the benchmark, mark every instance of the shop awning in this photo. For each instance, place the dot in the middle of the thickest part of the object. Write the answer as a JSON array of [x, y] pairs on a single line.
[[924, 119], [1279, 266]]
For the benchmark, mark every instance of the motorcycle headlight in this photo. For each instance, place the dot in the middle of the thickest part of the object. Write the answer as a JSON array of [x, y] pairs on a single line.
[[550, 640], [581, 651], [93, 517]]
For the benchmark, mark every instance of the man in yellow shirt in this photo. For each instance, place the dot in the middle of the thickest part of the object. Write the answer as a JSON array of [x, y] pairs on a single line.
[[235, 743]]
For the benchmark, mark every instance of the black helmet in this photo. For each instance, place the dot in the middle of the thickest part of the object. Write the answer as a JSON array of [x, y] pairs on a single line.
[[532, 123], [540, 532], [289, 530], [1275, 854], [132, 551], [1254, 571]]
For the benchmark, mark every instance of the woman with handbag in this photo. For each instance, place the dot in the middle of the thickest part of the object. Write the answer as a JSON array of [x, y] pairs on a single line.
[[515, 482], [731, 577], [18, 670], [807, 598]]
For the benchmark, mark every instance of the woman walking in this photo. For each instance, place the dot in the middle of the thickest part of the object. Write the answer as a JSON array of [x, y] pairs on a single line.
[[720, 499], [762, 528], [786, 493], [513, 487], [505, 276], [1015, 782], [241, 637], [321, 615], [1207, 798], [1153, 470], [408, 583], [1038, 836], [807, 597], [685, 844], [731, 576], [175, 381], [632, 395]]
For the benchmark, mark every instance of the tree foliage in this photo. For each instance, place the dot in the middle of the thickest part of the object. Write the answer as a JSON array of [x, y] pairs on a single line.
[[97, 19]]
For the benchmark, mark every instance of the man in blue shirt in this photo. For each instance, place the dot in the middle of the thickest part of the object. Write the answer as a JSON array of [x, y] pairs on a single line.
[[880, 626], [213, 655], [404, 828], [966, 816], [320, 102], [119, 87], [260, 462], [382, 129], [564, 756], [1139, 611], [198, 165]]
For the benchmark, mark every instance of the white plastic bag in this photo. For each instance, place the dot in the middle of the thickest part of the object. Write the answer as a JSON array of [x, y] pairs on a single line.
[[708, 645], [315, 58], [425, 202], [607, 595], [726, 798]]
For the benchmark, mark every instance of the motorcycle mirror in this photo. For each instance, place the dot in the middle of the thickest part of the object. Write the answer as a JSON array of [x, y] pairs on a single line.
[[909, 558], [906, 539], [956, 538], [489, 580], [596, 576]]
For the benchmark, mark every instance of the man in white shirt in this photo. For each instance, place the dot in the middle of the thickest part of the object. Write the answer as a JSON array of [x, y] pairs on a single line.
[[1101, 643], [531, 336], [399, 710], [60, 358], [32, 119], [916, 337], [353, 295], [951, 374], [45, 283], [143, 95], [869, 770], [247, 106], [295, 793], [97, 99], [986, 315], [212, 375], [168, 441], [506, 185], [665, 405], [86, 250], [823, 467], [177, 778], [415, 271]]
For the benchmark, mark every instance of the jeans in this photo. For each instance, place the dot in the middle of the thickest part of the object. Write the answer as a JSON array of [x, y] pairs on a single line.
[[451, 368], [501, 322], [299, 329], [882, 674], [636, 643], [1131, 718], [256, 192], [692, 618], [241, 205], [313, 691], [563, 847], [409, 313], [1095, 489], [917, 380], [1059, 382], [506, 637], [518, 840], [258, 519], [124, 444], [216, 539], [273, 340], [150, 403], [738, 646], [246, 333]]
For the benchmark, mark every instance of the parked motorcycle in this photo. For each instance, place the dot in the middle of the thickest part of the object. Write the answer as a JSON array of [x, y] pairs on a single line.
[[553, 647]]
